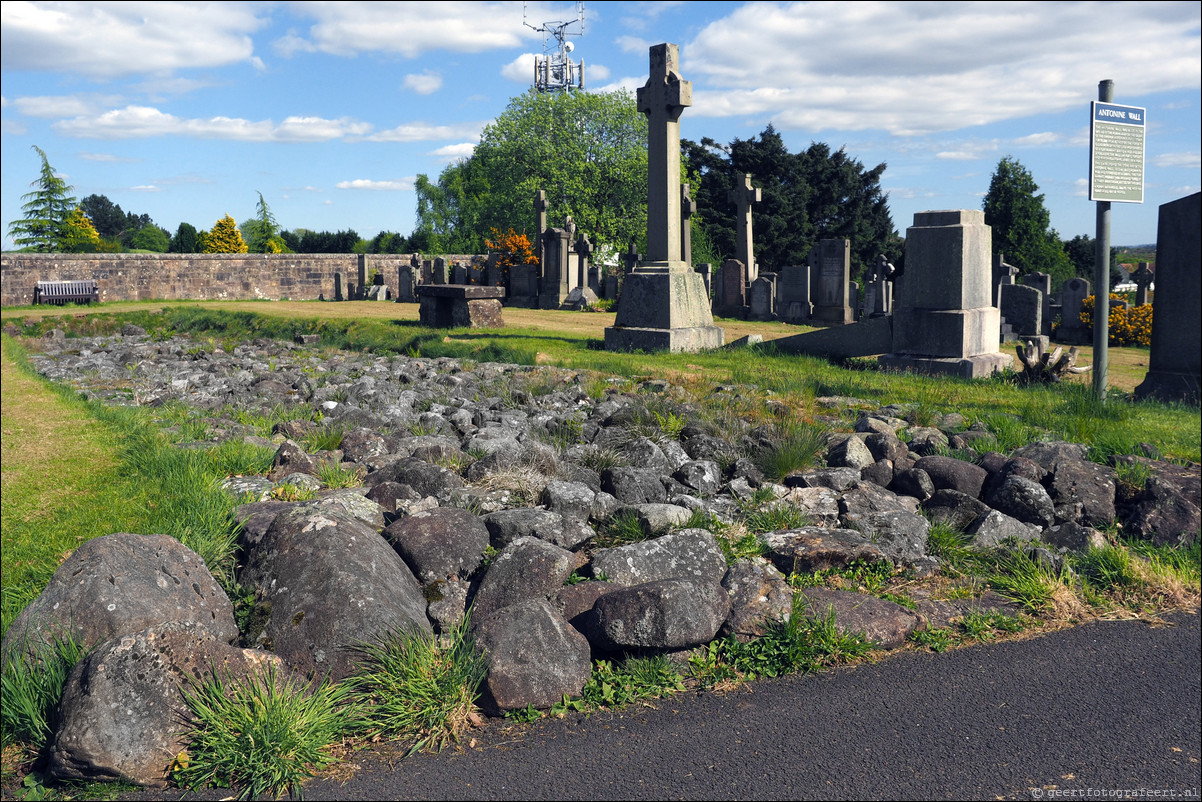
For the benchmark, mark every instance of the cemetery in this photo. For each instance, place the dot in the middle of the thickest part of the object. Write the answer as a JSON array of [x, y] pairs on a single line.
[[538, 471]]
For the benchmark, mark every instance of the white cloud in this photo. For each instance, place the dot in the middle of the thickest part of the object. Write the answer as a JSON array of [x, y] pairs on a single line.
[[424, 83], [106, 158], [958, 155], [423, 132], [632, 44], [111, 39], [596, 72], [12, 127], [1038, 140], [407, 29], [145, 188], [916, 68], [135, 122], [50, 106], [450, 153], [1193, 160], [365, 183], [628, 84], [520, 70]]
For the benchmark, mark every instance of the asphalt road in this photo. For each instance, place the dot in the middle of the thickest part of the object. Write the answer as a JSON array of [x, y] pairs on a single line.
[[1083, 713]]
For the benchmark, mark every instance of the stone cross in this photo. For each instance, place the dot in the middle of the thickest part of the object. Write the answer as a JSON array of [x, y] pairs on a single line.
[[1142, 278], [687, 207], [743, 196], [630, 259], [663, 98]]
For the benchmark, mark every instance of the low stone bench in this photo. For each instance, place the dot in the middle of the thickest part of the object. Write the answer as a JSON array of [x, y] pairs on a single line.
[[460, 306]]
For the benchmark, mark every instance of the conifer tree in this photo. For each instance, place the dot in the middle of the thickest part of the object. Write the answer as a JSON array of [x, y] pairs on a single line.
[[224, 238], [46, 208], [79, 235]]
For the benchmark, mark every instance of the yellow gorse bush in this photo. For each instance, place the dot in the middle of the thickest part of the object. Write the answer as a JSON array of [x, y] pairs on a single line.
[[1129, 325]]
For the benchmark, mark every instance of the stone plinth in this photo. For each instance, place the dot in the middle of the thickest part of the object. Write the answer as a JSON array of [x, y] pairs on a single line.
[[944, 320], [447, 306], [663, 307]]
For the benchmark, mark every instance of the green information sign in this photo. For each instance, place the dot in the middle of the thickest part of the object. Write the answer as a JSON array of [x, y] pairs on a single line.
[[1116, 153]]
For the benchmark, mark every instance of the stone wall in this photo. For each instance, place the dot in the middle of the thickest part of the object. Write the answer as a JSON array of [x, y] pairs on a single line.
[[194, 276]]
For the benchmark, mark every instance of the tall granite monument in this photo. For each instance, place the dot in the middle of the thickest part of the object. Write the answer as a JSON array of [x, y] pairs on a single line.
[[742, 196], [663, 305]]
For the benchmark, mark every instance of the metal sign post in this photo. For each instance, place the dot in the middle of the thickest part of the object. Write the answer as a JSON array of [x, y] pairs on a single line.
[[1116, 173]]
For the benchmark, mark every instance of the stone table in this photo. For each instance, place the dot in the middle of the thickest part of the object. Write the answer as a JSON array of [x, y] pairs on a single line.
[[453, 306]]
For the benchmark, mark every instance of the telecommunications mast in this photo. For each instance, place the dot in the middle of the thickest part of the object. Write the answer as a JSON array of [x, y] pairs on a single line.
[[554, 70]]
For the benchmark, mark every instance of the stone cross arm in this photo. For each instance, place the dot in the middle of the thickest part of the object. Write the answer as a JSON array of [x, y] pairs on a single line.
[[665, 92], [744, 195]]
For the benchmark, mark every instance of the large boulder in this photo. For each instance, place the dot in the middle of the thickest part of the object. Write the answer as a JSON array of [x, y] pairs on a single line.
[[440, 543], [1083, 492], [535, 657], [123, 705], [1167, 510], [884, 623], [528, 568], [901, 536], [687, 553], [634, 485], [760, 598], [668, 614], [816, 548], [506, 526], [1023, 499], [327, 584], [123, 583], [424, 477], [948, 473]]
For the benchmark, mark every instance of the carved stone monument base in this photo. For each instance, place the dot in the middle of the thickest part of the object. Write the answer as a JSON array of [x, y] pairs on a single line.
[[969, 367], [663, 307]]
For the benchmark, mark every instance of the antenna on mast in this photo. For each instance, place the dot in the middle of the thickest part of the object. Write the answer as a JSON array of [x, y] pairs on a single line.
[[554, 70]]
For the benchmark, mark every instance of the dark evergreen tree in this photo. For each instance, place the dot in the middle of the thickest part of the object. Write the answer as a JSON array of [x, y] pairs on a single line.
[[1021, 224]]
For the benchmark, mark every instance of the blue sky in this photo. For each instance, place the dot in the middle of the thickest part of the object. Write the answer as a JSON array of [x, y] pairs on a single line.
[[185, 111]]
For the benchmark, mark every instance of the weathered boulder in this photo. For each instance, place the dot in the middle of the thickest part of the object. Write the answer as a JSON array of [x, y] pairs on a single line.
[[647, 455], [880, 473], [668, 614], [122, 706], [440, 543], [569, 499], [657, 519], [820, 504], [634, 485], [957, 510], [1167, 511], [122, 583], [884, 623], [948, 473], [1073, 536], [885, 445], [849, 452], [687, 553], [837, 479], [425, 478], [759, 598], [290, 457], [866, 498], [993, 527], [926, 440], [528, 568], [914, 482], [816, 548], [702, 476], [901, 536], [534, 656], [506, 526], [1023, 499], [332, 584], [361, 443], [1083, 492]]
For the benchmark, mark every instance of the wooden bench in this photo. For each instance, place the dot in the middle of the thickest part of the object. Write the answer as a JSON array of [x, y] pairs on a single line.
[[66, 292]]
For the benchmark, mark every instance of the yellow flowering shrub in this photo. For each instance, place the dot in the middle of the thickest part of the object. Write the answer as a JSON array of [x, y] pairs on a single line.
[[1130, 325]]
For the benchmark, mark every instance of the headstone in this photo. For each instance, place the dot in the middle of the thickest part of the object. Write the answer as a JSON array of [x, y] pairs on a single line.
[[1043, 283], [663, 305], [630, 259], [427, 271], [540, 223], [1003, 273], [440, 275], [378, 292], [362, 285], [944, 320], [761, 298], [556, 278], [743, 196], [406, 279], [594, 279], [1072, 300], [475, 272], [793, 294], [494, 275], [830, 263], [878, 297], [611, 286], [853, 296], [338, 287], [1175, 364], [583, 249], [523, 286], [1143, 277], [687, 207], [458, 273], [1022, 307], [732, 299]]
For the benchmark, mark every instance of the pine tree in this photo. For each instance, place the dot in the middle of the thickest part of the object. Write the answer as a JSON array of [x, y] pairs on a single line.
[[224, 238], [46, 211], [1022, 225]]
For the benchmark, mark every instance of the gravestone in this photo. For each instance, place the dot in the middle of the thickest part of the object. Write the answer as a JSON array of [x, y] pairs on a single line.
[[1143, 277], [878, 297], [1043, 283], [362, 285], [441, 275], [427, 271], [1003, 273], [494, 276], [1022, 308], [378, 292], [556, 280], [732, 289], [793, 293], [830, 263], [944, 320], [743, 196], [687, 207], [1175, 364], [476, 272], [406, 279], [1072, 300], [583, 250], [663, 305], [338, 287], [630, 258], [611, 286], [594, 279], [761, 298], [540, 223], [523, 286], [458, 273]]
